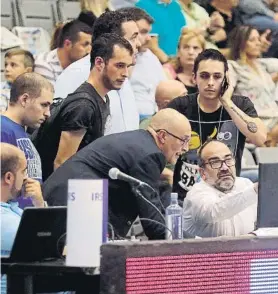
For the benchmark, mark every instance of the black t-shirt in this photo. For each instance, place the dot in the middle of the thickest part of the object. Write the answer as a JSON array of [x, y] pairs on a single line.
[[91, 114], [230, 24], [216, 125], [83, 114]]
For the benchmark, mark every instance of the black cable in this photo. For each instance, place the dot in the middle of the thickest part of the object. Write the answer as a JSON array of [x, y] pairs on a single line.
[[154, 191], [57, 246], [149, 202], [59, 239], [112, 232]]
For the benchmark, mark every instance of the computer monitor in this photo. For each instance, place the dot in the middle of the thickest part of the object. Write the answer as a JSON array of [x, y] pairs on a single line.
[[268, 195], [41, 234]]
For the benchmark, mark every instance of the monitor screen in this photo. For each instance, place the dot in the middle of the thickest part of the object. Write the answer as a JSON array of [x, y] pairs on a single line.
[[268, 195]]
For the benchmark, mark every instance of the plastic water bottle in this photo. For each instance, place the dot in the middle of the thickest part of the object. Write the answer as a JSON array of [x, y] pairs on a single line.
[[174, 219]]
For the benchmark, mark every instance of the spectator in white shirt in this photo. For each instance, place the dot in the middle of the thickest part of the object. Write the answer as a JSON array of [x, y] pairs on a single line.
[[148, 71], [74, 42], [221, 204]]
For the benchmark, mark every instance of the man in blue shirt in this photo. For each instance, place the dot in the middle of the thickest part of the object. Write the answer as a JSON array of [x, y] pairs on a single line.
[[168, 23], [30, 100], [13, 176]]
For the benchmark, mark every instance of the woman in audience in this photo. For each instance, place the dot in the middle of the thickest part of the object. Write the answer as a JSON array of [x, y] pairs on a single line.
[[253, 76], [180, 68], [92, 9]]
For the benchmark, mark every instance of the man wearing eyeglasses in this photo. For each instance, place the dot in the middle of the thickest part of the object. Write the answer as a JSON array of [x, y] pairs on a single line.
[[141, 154], [221, 204]]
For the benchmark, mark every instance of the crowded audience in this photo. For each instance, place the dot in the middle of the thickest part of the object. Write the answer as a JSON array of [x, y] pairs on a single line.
[[85, 113], [161, 90]]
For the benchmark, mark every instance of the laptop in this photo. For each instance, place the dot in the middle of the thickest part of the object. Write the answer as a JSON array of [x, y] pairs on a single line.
[[41, 234], [267, 216]]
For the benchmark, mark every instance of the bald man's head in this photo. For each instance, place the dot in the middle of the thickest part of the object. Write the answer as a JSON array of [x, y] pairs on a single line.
[[167, 90], [13, 171], [10, 158], [170, 119], [172, 132]]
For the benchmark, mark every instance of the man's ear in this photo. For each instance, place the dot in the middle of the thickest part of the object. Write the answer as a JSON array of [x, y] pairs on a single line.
[[99, 63], [9, 179], [166, 102], [29, 69], [202, 173], [67, 44], [24, 99], [161, 136], [194, 78]]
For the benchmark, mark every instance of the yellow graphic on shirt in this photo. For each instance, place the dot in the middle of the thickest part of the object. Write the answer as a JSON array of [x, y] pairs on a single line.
[[214, 133], [195, 141]]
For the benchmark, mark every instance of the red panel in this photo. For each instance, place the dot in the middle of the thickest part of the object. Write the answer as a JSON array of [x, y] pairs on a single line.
[[226, 273]]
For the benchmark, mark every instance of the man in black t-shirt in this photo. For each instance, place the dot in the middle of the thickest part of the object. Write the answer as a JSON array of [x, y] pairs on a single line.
[[217, 114], [86, 117], [141, 154]]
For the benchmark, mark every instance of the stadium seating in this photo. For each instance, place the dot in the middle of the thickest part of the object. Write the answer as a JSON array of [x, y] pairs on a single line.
[[8, 15], [266, 154], [37, 13], [68, 10], [248, 161]]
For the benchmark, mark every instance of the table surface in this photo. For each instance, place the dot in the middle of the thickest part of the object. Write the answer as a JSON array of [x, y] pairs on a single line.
[[48, 266], [50, 276]]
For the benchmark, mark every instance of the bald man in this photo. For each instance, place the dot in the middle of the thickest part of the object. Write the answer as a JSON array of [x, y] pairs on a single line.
[[221, 204], [141, 154], [167, 90], [13, 175]]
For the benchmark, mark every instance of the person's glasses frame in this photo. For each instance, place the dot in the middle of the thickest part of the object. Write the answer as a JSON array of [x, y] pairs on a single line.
[[218, 163], [184, 141]]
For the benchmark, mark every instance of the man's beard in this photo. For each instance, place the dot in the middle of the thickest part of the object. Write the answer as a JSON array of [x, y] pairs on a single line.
[[15, 192], [225, 185]]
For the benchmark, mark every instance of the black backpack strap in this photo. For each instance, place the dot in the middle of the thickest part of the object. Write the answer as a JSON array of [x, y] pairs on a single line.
[[73, 97]]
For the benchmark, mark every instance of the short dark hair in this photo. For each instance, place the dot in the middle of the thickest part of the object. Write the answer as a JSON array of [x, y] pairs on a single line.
[[138, 14], [111, 22], [212, 54], [9, 160], [30, 83], [28, 60], [104, 47], [70, 31], [238, 39]]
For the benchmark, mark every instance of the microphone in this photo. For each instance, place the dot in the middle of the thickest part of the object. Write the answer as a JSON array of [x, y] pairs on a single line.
[[116, 174]]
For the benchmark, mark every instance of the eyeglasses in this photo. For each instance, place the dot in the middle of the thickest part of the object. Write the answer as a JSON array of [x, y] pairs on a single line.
[[184, 141], [217, 163]]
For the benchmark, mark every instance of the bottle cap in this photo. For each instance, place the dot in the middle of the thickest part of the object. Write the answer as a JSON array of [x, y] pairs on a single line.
[[174, 196]]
